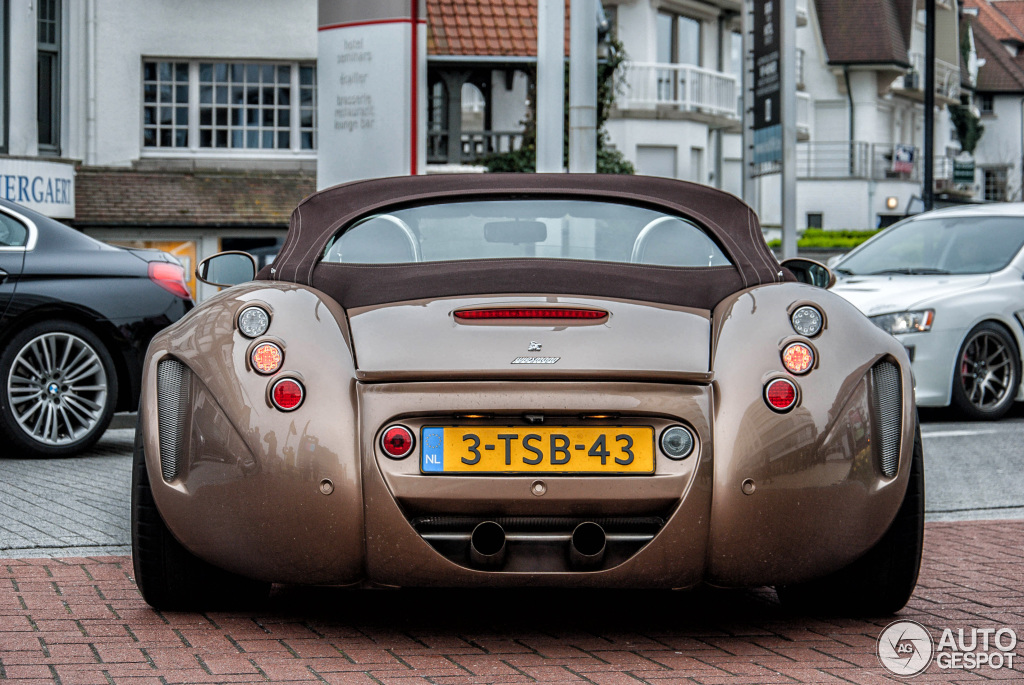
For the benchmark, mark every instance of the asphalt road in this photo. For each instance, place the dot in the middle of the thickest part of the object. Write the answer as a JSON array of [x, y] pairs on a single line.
[[80, 507]]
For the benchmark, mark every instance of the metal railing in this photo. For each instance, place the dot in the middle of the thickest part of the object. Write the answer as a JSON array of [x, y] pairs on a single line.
[[877, 161], [683, 86], [474, 144], [803, 111], [947, 77]]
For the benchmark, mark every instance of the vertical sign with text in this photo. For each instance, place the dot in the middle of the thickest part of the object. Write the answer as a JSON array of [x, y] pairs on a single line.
[[371, 77], [767, 80]]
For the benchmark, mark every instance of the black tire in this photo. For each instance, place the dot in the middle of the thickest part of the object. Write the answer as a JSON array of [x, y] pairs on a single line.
[[880, 582], [169, 576], [79, 417], [987, 372]]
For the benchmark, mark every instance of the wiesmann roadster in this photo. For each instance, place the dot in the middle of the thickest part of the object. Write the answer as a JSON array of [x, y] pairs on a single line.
[[525, 380]]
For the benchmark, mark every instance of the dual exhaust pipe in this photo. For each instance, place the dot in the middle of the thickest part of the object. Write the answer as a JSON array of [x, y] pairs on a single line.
[[586, 546]]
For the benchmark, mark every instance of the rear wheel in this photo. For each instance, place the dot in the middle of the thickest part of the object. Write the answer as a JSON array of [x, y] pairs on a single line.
[[987, 372], [59, 388], [881, 581], [169, 576]]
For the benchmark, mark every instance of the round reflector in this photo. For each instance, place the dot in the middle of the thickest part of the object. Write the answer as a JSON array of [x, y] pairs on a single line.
[[253, 322], [287, 394], [676, 442], [397, 442], [267, 358], [798, 358], [780, 394]]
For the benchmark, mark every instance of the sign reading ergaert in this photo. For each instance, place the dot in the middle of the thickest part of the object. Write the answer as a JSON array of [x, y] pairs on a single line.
[[46, 187]]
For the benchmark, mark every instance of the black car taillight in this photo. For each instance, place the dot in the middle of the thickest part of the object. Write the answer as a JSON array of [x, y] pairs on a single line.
[[170, 277]]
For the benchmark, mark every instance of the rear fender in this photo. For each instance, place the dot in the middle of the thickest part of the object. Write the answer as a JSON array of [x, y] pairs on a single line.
[[817, 496], [248, 494]]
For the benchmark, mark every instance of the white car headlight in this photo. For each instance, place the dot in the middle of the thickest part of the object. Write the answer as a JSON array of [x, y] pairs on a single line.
[[905, 322]]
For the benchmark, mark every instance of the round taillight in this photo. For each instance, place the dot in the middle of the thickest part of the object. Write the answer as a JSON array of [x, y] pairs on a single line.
[[397, 442], [287, 394], [780, 394], [807, 320], [798, 358], [253, 322], [677, 442], [266, 358]]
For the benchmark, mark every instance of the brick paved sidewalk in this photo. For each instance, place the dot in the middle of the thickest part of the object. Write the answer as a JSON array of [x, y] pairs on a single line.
[[83, 621]]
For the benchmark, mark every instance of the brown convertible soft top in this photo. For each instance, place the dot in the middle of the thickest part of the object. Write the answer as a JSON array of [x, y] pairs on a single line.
[[729, 221]]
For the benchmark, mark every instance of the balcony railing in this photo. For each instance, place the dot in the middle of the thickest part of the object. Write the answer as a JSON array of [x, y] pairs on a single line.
[[474, 144], [862, 160], [947, 77], [803, 112], [681, 86]]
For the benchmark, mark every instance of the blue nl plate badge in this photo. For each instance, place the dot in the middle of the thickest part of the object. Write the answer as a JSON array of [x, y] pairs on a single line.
[[433, 450]]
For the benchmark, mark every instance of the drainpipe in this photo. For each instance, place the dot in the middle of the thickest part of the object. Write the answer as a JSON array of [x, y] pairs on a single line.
[[849, 97], [90, 108], [718, 132]]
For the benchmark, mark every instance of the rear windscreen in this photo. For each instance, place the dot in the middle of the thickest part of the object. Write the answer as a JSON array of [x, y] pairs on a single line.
[[525, 229]]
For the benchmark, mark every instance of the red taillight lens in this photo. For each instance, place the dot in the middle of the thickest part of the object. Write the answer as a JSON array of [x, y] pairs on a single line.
[[267, 358], [798, 358], [397, 442], [780, 394], [287, 394], [170, 277], [530, 313]]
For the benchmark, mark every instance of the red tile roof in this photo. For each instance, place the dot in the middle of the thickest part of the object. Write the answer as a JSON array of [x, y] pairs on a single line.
[[1000, 73], [866, 31], [126, 197], [484, 28], [995, 17]]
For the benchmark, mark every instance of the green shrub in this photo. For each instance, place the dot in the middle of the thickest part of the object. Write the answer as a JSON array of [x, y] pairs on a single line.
[[826, 240]]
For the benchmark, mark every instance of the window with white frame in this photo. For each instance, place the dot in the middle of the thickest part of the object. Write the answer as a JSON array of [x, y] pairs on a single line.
[[3, 75], [204, 105], [48, 75]]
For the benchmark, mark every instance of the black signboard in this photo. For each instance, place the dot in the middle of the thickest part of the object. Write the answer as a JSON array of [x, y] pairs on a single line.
[[767, 81]]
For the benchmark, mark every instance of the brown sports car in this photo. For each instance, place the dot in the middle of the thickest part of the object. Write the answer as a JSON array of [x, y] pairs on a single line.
[[525, 380]]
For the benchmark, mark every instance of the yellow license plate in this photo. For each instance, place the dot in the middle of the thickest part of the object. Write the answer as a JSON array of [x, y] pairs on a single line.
[[535, 449]]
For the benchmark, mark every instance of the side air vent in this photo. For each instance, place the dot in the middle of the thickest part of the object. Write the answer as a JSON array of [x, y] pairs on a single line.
[[888, 413], [173, 390]]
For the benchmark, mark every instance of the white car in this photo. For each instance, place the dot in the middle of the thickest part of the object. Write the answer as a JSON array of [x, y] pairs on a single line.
[[948, 284]]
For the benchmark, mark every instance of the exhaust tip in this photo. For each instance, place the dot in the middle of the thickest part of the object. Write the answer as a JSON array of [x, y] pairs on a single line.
[[487, 544], [587, 546]]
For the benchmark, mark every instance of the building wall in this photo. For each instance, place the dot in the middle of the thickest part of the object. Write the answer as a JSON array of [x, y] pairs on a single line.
[[226, 29], [640, 139], [1002, 143], [508, 106]]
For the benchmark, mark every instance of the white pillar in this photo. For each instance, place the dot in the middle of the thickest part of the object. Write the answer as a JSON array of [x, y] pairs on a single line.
[[583, 87], [550, 84]]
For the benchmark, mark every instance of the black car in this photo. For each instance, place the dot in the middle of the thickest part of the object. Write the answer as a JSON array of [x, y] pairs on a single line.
[[76, 316]]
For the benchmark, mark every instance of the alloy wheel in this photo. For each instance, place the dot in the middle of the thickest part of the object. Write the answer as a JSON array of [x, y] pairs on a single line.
[[57, 388], [986, 370]]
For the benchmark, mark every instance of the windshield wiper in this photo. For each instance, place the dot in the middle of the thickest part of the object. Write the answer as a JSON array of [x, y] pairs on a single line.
[[910, 271], [845, 272]]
